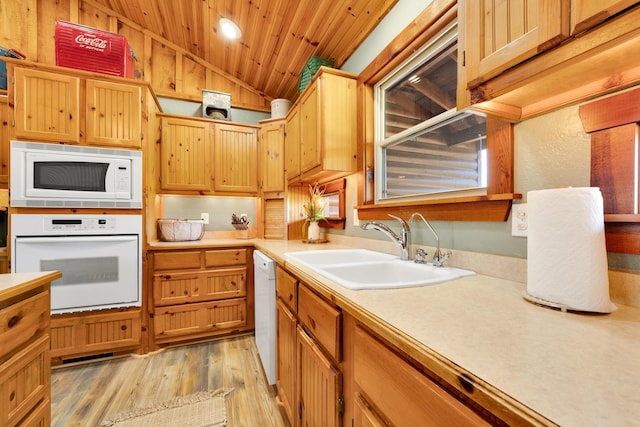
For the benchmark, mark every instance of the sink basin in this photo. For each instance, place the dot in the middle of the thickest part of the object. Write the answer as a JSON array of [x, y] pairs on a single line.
[[364, 269], [337, 256]]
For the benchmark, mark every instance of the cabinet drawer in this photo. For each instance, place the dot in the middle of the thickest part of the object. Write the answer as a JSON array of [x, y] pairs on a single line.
[[321, 320], [176, 260], [408, 397], [24, 381], [39, 417], [179, 288], [77, 334], [287, 288], [196, 319], [225, 257], [23, 320]]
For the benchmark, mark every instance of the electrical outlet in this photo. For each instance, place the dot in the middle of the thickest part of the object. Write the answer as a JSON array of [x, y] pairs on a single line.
[[205, 216], [356, 220], [519, 220]]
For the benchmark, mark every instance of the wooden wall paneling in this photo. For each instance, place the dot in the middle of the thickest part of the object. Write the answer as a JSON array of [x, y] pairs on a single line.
[[22, 17], [613, 167], [274, 218], [92, 17], [193, 78], [500, 148], [48, 13], [137, 43], [163, 68], [296, 196]]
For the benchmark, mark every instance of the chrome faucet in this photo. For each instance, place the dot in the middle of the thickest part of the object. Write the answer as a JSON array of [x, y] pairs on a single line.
[[438, 257], [403, 242]]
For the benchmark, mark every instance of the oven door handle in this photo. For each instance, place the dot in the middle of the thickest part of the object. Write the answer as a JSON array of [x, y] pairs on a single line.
[[76, 239]]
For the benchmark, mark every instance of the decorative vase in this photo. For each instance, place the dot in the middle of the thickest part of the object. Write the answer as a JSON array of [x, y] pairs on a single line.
[[314, 231]]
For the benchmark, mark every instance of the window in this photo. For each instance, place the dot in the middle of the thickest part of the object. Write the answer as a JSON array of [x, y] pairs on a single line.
[[424, 146]]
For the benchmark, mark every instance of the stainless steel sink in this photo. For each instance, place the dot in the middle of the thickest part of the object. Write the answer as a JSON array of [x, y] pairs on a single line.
[[364, 269]]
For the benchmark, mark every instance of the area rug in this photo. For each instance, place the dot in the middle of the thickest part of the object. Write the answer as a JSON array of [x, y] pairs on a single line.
[[204, 409]]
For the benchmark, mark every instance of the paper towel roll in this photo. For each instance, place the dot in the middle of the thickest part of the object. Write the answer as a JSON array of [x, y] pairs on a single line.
[[566, 252]]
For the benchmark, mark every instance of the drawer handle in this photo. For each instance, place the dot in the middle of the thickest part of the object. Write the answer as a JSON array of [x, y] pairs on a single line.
[[312, 323], [466, 382], [14, 321]]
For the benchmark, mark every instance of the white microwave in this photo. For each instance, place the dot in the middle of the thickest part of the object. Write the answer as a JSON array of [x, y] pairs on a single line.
[[70, 176]]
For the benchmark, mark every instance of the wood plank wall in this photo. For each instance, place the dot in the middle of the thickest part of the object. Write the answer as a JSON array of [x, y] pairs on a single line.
[[172, 71]]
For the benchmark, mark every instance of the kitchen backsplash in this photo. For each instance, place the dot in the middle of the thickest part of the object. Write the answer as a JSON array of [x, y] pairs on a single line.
[[219, 209]]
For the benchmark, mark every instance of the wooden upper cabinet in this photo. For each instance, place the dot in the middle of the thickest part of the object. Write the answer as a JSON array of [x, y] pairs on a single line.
[[499, 35], [589, 13], [272, 156], [185, 154], [321, 129], [47, 106], [292, 144], [310, 149], [328, 131], [114, 114], [235, 158]]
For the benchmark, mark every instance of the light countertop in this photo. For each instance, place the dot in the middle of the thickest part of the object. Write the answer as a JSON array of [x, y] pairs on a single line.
[[570, 368], [18, 283]]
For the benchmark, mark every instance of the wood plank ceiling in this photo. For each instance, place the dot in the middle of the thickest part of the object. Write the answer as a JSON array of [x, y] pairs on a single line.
[[279, 36]]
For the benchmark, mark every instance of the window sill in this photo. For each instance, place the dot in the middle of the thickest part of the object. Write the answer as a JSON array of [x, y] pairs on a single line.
[[490, 208]]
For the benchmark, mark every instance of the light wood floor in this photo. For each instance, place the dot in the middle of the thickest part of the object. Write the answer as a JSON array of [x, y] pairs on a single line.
[[84, 395]]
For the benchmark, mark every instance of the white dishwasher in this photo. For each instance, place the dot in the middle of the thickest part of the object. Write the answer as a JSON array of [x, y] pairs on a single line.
[[264, 282]]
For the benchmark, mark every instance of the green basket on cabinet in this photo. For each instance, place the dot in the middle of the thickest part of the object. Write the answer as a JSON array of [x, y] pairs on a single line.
[[311, 67]]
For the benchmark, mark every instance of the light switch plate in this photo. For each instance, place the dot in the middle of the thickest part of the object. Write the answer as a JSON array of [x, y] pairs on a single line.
[[519, 220], [205, 217]]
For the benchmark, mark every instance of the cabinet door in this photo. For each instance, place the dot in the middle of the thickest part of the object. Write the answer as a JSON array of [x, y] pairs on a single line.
[[272, 157], [589, 13], [114, 114], [286, 358], [292, 144], [185, 155], [47, 106], [235, 159], [364, 415], [502, 34], [319, 386], [25, 380], [310, 150]]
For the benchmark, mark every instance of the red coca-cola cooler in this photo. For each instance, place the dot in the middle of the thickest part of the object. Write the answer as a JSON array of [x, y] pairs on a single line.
[[90, 49]]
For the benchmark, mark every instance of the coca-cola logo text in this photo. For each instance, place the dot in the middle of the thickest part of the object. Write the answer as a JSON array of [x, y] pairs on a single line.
[[87, 41]]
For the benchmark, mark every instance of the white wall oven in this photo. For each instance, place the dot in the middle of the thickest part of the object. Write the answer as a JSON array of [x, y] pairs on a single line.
[[70, 176], [99, 257]]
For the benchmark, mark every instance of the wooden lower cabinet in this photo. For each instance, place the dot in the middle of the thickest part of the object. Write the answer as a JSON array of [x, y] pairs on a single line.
[[25, 362], [308, 374], [199, 293], [319, 385], [364, 415], [25, 384], [286, 358], [95, 332], [334, 371], [407, 397]]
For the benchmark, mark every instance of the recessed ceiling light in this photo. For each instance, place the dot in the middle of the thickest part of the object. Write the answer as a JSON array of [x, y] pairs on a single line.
[[230, 29]]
